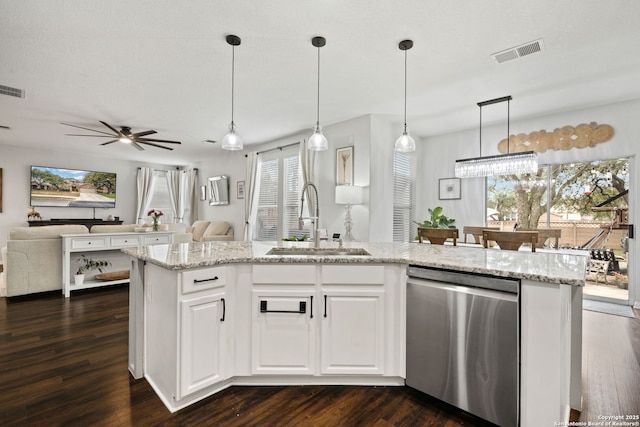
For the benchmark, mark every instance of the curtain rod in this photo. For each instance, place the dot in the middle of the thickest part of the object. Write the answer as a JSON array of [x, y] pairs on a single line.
[[279, 147], [164, 170]]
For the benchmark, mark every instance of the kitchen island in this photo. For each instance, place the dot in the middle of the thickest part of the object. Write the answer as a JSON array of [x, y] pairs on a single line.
[[205, 316]]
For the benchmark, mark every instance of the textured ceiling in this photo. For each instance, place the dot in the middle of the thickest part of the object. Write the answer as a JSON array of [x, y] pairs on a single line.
[[165, 65]]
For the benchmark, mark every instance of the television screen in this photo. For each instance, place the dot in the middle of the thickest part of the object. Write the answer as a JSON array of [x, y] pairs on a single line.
[[72, 188]]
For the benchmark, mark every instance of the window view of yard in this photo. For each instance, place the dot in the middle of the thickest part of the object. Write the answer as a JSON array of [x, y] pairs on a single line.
[[588, 202]]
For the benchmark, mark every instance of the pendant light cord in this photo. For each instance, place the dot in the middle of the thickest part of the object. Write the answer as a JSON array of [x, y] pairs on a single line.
[[508, 114], [480, 130], [233, 73], [318, 97], [405, 91]]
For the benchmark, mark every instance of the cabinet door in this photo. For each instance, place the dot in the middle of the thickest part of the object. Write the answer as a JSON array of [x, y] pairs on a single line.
[[283, 337], [352, 332], [202, 349]]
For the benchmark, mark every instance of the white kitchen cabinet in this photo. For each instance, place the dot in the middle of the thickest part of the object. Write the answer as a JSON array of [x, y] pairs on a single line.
[[283, 337], [202, 347], [352, 331]]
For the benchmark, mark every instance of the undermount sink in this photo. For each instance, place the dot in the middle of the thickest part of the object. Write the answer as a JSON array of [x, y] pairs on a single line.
[[319, 251]]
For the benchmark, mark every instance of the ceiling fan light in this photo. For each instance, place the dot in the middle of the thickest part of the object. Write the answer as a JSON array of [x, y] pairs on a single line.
[[405, 144], [125, 139], [232, 141], [317, 141]]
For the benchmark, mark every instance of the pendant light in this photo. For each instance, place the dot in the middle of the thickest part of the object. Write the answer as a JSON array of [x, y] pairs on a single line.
[[501, 164], [232, 141], [317, 141], [405, 143]]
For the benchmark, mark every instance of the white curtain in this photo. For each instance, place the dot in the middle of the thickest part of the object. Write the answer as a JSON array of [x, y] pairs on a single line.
[[146, 182], [307, 160], [250, 191], [181, 185], [191, 193], [175, 185]]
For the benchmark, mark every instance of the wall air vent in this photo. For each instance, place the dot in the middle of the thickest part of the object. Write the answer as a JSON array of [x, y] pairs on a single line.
[[11, 91], [518, 51]]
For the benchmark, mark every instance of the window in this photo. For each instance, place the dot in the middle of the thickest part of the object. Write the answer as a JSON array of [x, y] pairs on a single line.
[[404, 196], [279, 182], [160, 199]]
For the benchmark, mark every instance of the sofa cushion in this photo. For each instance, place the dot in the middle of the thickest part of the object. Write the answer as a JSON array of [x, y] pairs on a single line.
[[198, 229], [122, 228], [217, 228], [45, 232]]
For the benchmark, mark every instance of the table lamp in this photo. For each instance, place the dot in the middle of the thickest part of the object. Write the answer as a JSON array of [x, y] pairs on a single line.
[[348, 195]]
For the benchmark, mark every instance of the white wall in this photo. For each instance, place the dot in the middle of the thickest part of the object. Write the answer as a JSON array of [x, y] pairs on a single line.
[[16, 164]]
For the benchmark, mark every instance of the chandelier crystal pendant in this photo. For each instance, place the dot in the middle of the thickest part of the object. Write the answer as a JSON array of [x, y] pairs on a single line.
[[231, 140], [317, 141], [502, 164], [405, 143]]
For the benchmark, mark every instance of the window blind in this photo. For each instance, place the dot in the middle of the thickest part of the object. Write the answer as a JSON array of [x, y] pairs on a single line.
[[404, 196], [278, 195]]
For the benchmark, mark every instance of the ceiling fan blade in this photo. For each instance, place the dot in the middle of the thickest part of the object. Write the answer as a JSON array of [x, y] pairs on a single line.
[[92, 136], [110, 142], [155, 145], [112, 128], [146, 132], [135, 144], [80, 127], [166, 141]]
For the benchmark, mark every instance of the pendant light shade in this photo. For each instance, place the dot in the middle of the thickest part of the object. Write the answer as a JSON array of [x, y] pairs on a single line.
[[501, 164], [405, 143], [317, 141], [231, 140]]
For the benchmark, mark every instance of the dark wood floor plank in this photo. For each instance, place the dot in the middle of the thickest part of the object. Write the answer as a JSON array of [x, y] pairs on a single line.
[[63, 362]]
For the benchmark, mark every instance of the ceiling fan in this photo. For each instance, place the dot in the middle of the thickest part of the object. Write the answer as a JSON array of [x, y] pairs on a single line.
[[125, 135]]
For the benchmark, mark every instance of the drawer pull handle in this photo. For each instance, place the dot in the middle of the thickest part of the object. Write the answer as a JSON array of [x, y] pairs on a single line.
[[325, 306], [205, 280], [301, 310], [311, 307], [224, 309]]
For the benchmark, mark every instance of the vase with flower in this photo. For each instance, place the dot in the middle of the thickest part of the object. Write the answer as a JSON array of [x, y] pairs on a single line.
[[155, 216]]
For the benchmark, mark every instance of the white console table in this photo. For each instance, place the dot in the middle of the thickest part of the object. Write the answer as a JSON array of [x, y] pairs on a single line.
[[93, 242]]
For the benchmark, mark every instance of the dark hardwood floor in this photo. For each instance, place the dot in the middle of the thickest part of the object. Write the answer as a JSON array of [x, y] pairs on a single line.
[[64, 362]]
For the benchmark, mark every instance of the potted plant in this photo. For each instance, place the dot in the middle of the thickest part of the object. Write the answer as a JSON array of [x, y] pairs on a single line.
[[88, 264], [437, 228], [621, 280]]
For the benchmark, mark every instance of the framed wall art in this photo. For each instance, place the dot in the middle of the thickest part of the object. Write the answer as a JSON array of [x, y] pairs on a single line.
[[344, 166], [240, 189], [449, 189]]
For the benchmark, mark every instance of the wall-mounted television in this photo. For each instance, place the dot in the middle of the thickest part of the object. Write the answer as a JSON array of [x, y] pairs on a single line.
[[58, 187]]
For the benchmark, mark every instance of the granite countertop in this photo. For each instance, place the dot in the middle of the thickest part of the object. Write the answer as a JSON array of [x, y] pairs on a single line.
[[552, 267]]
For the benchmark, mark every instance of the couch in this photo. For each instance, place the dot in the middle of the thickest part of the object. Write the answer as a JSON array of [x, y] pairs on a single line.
[[33, 261], [208, 231]]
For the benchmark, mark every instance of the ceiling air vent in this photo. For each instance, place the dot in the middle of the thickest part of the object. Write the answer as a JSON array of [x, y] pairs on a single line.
[[11, 91], [518, 51]]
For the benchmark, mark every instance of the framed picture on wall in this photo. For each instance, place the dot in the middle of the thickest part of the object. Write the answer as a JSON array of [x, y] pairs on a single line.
[[449, 189], [240, 189], [344, 166]]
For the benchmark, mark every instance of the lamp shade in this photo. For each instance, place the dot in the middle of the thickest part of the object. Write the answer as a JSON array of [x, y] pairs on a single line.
[[349, 194]]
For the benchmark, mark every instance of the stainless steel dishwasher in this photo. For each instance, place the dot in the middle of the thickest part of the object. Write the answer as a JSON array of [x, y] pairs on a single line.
[[463, 341]]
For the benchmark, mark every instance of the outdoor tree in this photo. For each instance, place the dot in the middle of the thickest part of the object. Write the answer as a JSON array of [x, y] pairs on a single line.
[[575, 187]]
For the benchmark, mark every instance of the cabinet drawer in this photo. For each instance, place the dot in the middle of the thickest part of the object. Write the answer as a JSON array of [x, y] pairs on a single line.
[[205, 278], [284, 274], [89, 243], [353, 274], [155, 240], [121, 242]]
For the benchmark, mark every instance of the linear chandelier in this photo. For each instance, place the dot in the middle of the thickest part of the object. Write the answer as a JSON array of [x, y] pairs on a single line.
[[501, 164]]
